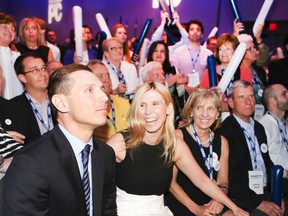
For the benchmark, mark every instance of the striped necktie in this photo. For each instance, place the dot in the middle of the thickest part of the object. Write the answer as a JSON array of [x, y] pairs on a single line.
[[85, 177]]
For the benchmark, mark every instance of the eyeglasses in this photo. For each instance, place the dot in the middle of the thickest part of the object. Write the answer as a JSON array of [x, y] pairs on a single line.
[[35, 70], [115, 48]]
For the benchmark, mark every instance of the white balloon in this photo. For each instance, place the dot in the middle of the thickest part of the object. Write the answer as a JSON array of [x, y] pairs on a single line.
[[102, 24], [262, 14], [77, 19]]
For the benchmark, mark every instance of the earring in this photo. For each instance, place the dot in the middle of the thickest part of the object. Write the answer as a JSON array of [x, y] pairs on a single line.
[[216, 118]]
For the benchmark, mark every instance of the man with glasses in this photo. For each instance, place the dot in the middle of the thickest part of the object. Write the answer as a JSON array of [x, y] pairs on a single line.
[[117, 107], [31, 71], [123, 74]]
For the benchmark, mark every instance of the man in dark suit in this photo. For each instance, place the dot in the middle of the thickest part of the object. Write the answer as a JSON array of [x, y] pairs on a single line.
[[248, 154], [52, 38], [31, 71], [45, 178]]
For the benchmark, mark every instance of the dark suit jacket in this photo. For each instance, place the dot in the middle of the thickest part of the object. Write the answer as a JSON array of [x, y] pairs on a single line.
[[34, 130], [14, 119], [44, 179], [240, 163]]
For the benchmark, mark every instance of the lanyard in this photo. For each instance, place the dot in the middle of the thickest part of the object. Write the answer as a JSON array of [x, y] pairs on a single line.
[[120, 76], [209, 164], [229, 85], [113, 119], [256, 80], [49, 119], [252, 144], [282, 130], [194, 61]]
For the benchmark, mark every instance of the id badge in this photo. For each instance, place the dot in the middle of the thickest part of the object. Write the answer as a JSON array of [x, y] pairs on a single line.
[[256, 181], [194, 79], [259, 111]]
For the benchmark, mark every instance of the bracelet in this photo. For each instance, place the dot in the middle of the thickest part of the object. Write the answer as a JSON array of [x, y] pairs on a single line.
[[260, 43]]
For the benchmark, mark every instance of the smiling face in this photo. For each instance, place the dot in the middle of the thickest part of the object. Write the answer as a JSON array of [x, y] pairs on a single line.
[[204, 114], [225, 52], [159, 53], [7, 34], [153, 111], [36, 80], [86, 104]]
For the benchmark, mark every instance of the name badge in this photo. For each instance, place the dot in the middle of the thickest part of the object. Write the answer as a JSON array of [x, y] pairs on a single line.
[[259, 111], [256, 181], [194, 79]]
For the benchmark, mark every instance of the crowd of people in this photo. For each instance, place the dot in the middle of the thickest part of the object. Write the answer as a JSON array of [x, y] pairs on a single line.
[[105, 135]]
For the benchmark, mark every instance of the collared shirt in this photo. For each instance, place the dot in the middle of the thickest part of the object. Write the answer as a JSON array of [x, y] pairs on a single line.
[[42, 109], [129, 72], [77, 146], [249, 127], [277, 149]]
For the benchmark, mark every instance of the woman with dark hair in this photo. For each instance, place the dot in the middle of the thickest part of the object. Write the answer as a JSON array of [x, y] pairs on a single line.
[[159, 52]]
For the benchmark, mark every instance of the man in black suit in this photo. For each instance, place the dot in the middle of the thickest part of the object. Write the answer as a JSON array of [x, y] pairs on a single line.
[[45, 178], [31, 71], [52, 38], [248, 154]]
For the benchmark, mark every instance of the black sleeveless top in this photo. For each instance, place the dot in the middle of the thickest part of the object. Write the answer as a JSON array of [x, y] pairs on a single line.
[[190, 189], [42, 50], [145, 173]]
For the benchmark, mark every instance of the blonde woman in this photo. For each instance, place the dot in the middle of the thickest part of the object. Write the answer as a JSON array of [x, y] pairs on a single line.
[[30, 39], [146, 153]]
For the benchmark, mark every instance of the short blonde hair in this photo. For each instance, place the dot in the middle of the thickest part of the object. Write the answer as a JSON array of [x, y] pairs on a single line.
[[135, 122], [196, 98]]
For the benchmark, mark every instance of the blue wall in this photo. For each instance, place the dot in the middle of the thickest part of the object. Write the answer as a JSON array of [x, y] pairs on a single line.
[[132, 10]]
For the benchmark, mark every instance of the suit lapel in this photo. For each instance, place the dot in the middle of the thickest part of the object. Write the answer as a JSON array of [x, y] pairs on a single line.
[[70, 167], [97, 176]]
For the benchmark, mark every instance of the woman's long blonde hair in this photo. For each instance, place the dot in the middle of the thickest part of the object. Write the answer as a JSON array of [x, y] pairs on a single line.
[[135, 122]]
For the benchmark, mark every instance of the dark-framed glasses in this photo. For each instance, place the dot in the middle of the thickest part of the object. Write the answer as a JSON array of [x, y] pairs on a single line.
[[115, 48], [35, 70]]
